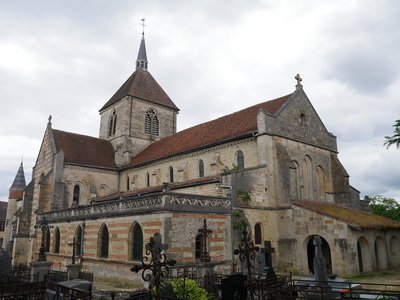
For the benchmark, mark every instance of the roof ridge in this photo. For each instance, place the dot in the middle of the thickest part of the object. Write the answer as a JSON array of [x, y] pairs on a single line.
[[234, 113]]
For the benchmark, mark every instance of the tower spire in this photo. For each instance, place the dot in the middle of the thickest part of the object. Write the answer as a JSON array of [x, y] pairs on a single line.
[[19, 183], [141, 61]]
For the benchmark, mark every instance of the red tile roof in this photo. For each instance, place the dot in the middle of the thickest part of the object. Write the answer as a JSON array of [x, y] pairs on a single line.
[[84, 150], [143, 86], [354, 217], [217, 131]]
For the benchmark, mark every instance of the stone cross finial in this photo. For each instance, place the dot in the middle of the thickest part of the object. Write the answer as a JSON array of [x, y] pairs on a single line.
[[49, 122], [299, 80]]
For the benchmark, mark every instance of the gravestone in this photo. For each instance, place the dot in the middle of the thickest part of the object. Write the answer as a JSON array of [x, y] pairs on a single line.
[[232, 287], [265, 262], [320, 272]]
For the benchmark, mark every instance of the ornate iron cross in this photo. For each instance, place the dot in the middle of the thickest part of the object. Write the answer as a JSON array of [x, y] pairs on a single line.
[[204, 231], [154, 264], [44, 226], [247, 253]]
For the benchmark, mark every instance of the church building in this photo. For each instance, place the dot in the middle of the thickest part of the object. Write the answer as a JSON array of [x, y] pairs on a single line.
[[272, 168]]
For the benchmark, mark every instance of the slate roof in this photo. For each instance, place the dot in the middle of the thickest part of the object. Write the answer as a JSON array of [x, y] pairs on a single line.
[[19, 183], [353, 217], [229, 127], [143, 86], [84, 150], [142, 55]]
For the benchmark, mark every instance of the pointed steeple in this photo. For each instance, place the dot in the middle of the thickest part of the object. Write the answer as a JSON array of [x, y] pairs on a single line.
[[17, 189], [141, 61], [19, 183]]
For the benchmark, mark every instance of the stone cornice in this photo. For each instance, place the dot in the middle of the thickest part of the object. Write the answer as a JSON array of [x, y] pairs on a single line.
[[159, 202]]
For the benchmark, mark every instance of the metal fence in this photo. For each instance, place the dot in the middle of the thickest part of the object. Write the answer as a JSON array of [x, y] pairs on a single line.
[[25, 290], [57, 276], [306, 289]]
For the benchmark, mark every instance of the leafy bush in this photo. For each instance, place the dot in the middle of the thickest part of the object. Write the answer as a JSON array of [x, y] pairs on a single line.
[[188, 289]]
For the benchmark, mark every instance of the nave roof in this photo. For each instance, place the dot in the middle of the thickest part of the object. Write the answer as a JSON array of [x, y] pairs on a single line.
[[223, 129]]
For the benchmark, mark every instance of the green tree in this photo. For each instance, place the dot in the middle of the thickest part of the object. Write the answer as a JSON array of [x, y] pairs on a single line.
[[386, 207], [395, 138]]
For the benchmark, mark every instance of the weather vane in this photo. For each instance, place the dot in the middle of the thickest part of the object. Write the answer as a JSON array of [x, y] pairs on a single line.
[[143, 25]]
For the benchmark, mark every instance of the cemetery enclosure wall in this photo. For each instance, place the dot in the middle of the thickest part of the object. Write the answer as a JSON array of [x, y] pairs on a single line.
[[179, 231]]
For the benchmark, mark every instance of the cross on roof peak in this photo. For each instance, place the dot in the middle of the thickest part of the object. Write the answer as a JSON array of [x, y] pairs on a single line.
[[299, 80]]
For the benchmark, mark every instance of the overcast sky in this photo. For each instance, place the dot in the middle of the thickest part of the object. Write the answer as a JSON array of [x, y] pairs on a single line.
[[67, 58]]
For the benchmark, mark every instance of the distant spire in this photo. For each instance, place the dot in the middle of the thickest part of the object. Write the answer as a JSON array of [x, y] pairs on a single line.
[[19, 183], [141, 61], [299, 86]]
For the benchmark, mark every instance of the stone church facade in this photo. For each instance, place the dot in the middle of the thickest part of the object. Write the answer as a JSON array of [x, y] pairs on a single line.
[[272, 167]]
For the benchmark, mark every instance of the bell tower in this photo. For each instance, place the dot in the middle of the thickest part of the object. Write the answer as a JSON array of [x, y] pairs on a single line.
[[138, 114]]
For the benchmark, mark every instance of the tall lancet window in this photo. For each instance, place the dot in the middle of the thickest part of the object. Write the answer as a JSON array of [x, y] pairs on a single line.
[[240, 160], [151, 123], [112, 124]]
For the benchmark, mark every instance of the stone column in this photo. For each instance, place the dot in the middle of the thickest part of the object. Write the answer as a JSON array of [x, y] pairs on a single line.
[[40, 269], [73, 271]]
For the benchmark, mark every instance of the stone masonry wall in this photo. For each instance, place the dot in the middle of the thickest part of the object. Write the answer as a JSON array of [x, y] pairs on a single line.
[[181, 242], [92, 182]]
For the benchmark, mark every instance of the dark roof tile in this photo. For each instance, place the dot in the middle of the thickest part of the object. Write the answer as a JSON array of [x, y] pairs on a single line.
[[143, 86], [84, 150]]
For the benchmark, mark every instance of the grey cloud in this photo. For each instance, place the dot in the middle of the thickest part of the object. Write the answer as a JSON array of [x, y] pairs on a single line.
[[366, 73]]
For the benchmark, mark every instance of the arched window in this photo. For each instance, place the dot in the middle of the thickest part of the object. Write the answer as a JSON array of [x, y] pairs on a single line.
[[112, 125], [240, 160], [201, 168], [56, 248], [76, 195], [257, 234], [306, 178], [135, 240], [148, 179], [319, 188], [198, 246], [151, 123], [78, 240], [102, 242], [171, 174], [127, 183], [47, 240], [294, 186]]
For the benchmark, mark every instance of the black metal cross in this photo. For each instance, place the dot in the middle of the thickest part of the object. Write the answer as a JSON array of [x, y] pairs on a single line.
[[143, 25], [247, 253], [73, 244], [44, 226], [204, 231], [154, 264]]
